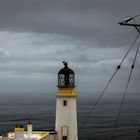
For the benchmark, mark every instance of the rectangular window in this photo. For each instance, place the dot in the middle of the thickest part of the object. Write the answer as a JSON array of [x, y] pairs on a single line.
[[64, 102]]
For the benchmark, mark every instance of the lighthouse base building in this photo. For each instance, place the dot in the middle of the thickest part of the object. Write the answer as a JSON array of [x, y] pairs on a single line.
[[66, 114]]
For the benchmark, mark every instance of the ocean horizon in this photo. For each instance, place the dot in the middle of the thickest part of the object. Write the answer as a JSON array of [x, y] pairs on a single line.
[[99, 126]]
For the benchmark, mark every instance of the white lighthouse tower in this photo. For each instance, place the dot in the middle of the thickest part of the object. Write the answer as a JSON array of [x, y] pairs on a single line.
[[66, 113]]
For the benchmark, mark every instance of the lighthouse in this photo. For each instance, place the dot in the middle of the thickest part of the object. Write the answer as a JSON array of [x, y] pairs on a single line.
[[66, 110]]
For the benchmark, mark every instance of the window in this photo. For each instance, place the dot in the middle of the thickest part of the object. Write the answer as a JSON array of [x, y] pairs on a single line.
[[64, 102], [61, 81], [71, 79]]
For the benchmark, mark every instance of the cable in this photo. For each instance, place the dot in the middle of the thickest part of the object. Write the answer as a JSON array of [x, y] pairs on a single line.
[[102, 93], [136, 54], [134, 21], [130, 48], [131, 18], [136, 16], [93, 107], [124, 95], [123, 99]]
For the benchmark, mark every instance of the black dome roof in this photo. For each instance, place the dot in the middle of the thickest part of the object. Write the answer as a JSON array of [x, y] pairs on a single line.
[[66, 69]]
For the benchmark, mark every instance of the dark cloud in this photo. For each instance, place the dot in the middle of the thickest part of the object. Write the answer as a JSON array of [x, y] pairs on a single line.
[[84, 19], [36, 35]]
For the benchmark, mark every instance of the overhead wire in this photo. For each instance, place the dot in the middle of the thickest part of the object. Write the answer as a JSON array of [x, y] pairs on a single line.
[[136, 16], [124, 95], [131, 18], [102, 93]]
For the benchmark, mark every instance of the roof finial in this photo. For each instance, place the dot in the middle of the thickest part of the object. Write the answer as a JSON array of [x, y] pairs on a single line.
[[65, 64]]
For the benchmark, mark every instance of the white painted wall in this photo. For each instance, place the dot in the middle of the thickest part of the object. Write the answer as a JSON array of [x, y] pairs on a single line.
[[19, 135], [29, 129], [66, 116]]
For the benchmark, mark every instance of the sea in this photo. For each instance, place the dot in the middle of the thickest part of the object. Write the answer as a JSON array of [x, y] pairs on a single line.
[[100, 125]]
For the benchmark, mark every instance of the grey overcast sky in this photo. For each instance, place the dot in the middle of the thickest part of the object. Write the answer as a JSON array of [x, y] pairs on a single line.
[[37, 35]]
